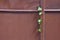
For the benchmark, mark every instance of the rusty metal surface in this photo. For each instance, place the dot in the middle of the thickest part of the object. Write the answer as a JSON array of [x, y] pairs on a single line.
[[19, 4], [51, 4], [52, 19], [52, 25], [24, 4], [18, 26]]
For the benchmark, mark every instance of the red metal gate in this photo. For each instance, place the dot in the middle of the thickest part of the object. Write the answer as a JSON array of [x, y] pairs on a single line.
[[22, 25], [15, 25], [52, 19]]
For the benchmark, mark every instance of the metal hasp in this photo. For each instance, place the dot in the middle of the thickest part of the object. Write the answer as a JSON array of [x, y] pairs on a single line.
[[39, 20]]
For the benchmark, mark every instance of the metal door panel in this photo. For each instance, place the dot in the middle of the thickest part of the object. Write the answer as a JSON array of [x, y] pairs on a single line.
[[52, 25], [19, 25], [52, 4]]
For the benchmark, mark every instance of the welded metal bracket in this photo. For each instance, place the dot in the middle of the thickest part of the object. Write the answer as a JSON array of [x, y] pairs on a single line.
[[39, 20]]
